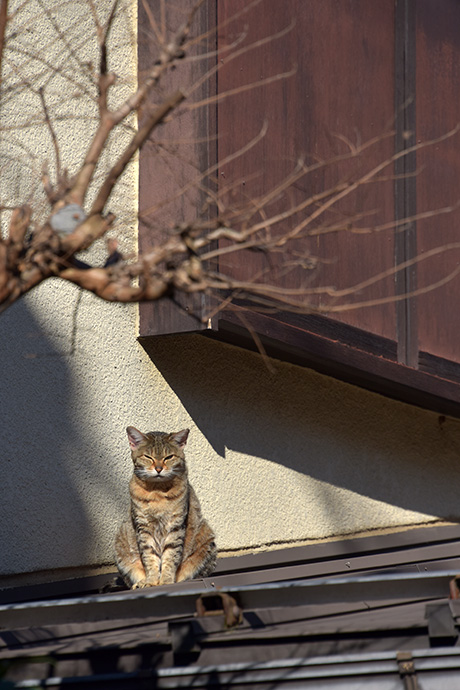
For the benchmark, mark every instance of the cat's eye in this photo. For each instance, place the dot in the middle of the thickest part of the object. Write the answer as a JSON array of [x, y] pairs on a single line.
[[149, 457], [168, 457]]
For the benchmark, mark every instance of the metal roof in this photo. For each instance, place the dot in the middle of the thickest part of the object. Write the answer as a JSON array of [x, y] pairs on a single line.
[[329, 615]]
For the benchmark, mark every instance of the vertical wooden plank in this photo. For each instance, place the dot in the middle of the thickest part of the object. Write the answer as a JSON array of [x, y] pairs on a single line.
[[343, 89], [173, 159], [405, 182], [438, 183]]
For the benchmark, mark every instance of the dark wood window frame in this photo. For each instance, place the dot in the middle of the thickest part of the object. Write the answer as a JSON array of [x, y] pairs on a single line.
[[396, 368]]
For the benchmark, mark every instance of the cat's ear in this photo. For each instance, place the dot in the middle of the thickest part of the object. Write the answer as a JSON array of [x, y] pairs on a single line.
[[135, 437], [181, 437]]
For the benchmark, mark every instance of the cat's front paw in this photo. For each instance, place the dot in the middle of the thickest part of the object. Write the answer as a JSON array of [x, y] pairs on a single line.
[[146, 582], [139, 584], [166, 580]]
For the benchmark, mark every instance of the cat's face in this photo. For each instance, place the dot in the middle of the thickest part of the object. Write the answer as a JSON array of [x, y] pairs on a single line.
[[157, 456]]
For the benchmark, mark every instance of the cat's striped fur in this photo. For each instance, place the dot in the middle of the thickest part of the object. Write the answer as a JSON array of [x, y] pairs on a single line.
[[166, 539]]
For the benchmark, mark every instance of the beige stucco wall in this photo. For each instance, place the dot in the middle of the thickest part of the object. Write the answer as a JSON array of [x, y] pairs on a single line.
[[293, 455], [277, 458]]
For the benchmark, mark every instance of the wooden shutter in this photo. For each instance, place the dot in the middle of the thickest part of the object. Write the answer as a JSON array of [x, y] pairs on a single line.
[[171, 162], [437, 112], [363, 68]]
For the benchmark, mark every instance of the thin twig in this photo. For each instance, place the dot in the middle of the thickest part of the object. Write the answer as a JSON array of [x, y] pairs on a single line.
[[52, 132], [3, 24], [135, 145]]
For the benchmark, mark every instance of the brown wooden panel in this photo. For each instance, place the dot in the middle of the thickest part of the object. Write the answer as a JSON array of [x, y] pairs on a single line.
[[172, 160], [438, 185], [362, 68], [343, 87]]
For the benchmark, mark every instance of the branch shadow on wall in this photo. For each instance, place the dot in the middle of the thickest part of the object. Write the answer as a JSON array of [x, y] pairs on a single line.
[[329, 430]]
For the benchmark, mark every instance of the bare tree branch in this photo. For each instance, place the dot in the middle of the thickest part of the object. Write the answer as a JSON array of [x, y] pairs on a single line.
[[136, 143], [281, 224], [3, 24]]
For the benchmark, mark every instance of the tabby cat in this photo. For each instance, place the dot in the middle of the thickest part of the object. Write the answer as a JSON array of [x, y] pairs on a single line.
[[166, 539]]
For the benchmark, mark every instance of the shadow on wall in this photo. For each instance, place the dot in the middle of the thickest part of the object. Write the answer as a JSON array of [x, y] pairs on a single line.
[[336, 433], [43, 518]]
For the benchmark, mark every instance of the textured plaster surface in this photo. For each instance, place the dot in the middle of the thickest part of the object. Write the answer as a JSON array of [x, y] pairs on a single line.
[[276, 458], [293, 455]]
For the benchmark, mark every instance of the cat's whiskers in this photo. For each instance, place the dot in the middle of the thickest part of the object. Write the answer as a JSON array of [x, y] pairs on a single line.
[[146, 474]]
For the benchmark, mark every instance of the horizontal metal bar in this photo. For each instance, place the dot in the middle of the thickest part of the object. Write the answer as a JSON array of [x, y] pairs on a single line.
[[376, 665], [396, 547], [158, 603], [343, 567]]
